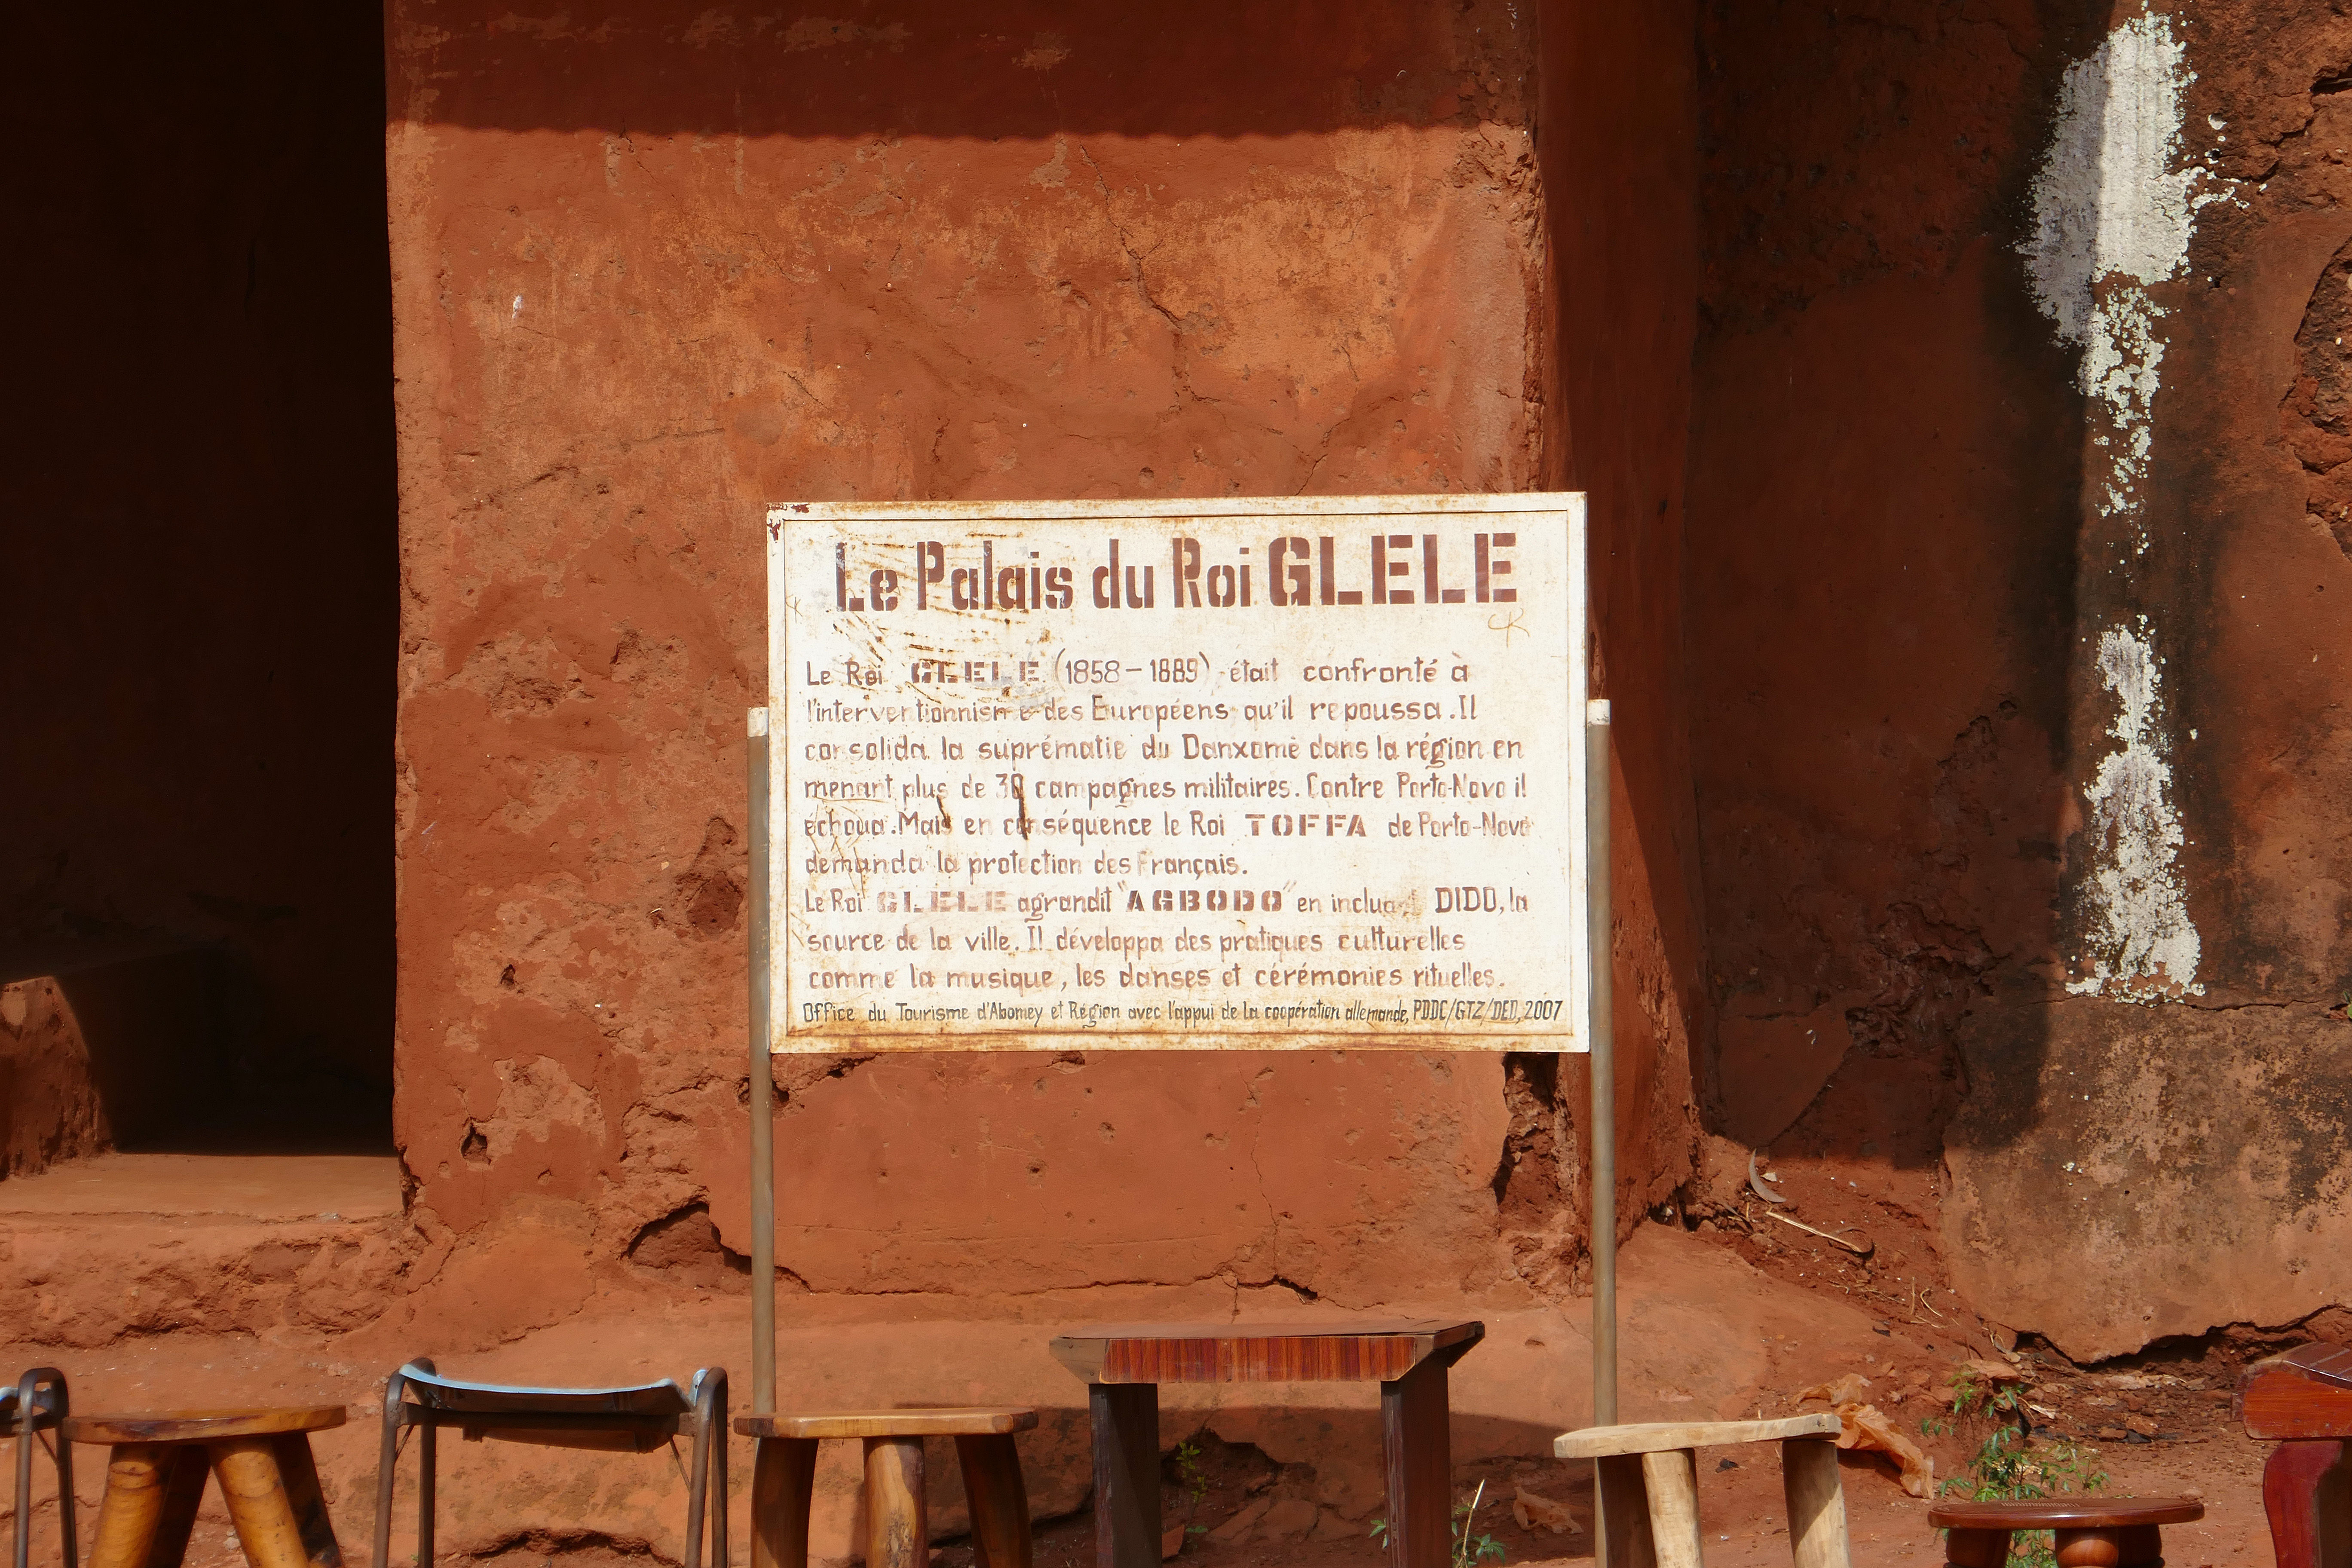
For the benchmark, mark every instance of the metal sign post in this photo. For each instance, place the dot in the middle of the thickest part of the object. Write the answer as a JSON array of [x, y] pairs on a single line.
[[762, 1083], [1602, 1051]]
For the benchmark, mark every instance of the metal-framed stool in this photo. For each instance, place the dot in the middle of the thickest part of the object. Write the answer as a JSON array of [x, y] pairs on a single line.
[[636, 1419], [38, 1404]]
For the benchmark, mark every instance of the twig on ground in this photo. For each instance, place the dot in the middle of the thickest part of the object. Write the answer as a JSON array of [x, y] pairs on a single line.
[[1864, 1250]]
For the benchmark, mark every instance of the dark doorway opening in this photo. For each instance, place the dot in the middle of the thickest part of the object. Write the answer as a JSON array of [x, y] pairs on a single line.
[[199, 514]]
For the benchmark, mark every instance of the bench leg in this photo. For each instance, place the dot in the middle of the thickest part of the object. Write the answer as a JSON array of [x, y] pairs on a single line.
[[150, 1506], [783, 1477], [898, 1522], [2308, 1497], [1672, 1481], [1621, 1530], [1816, 1498], [1414, 1436], [999, 1503], [1126, 1421]]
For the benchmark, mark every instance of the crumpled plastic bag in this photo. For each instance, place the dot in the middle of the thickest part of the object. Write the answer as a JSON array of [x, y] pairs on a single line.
[[1865, 1426], [1847, 1390]]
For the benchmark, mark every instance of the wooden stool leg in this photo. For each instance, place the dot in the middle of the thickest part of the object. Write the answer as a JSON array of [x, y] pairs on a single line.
[[783, 1477], [150, 1506], [1622, 1529], [898, 1521], [2308, 1497], [999, 1503], [1414, 1436], [1977, 1548], [1672, 1481], [259, 1505], [2128, 1546], [1126, 1420], [1809, 1480], [300, 1471]]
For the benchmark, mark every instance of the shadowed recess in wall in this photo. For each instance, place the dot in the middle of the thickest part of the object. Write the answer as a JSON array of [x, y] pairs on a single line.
[[933, 69]]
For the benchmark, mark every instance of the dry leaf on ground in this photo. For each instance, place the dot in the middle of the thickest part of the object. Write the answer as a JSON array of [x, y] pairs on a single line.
[[1533, 1510]]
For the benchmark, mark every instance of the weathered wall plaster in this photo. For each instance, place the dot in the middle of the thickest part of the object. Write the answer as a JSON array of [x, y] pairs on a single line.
[[2115, 206], [2017, 627], [2137, 943]]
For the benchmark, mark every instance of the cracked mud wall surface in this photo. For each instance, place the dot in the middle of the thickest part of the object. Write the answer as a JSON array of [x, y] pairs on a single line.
[[656, 270], [2021, 640]]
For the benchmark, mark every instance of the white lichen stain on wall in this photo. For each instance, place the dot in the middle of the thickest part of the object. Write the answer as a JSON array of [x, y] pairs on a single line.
[[2113, 210], [2141, 944], [2113, 205]]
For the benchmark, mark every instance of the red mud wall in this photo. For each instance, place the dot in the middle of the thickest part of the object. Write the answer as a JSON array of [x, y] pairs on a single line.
[[658, 267], [1618, 148], [2021, 686], [195, 660]]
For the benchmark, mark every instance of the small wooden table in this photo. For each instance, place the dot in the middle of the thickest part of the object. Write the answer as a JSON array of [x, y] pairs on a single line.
[[2096, 1532], [156, 1478], [1124, 1364]]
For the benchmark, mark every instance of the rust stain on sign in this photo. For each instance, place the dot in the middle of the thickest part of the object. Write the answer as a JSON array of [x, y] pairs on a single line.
[[1245, 772]]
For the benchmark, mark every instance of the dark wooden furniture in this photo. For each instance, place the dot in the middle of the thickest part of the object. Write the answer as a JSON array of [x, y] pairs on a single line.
[[38, 1404], [2302, 1401], [636, 1419], [1646, 1481], [155, 1478], [2093, 1533], [1124, 1363], [897, 1525]]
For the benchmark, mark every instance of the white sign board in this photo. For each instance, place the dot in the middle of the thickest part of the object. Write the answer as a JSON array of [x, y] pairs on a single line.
[[1244, 774]]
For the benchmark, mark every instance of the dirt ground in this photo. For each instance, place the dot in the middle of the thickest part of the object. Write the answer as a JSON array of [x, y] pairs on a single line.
[[1727, 1313], [2198, 1452]]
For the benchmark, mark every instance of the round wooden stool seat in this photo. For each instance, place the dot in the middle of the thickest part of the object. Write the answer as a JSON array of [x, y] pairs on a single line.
[[960, 1421], [2092, 1532], [898, 1524], [201, 1426]]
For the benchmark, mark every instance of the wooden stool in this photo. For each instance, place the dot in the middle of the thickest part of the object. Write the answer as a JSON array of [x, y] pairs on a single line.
[[156, 1478], [1647, 1487], [898, 1528], [2092, 1532]]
